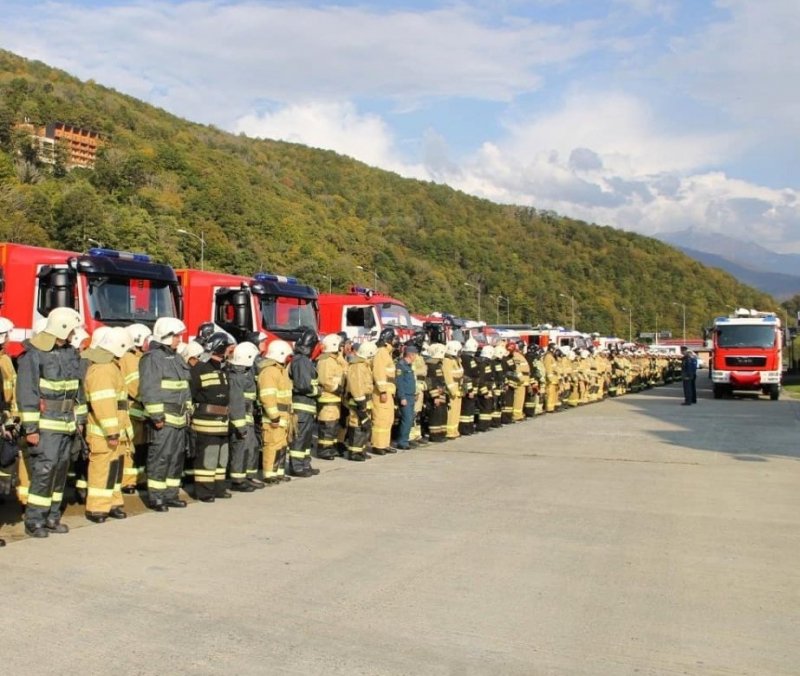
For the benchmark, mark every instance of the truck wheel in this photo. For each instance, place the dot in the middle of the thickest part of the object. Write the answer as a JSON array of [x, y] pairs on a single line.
[[774, 392], [718, 391]]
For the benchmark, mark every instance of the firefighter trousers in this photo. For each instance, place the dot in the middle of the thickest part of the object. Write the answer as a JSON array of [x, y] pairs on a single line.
[[437, 421], [300, 449], [530, 403], [453, 417], [327, 434], [485, 412], [551, 397], [210, 465], [357, 436], [507, 410], [242, 454], [276, 442], [48, 463], [165, 455], [518, 411], [382, 421], [466, 421], [104, 475]]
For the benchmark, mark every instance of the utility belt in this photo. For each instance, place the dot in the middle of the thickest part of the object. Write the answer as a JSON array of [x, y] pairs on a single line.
[[212, 409], [56, 405]]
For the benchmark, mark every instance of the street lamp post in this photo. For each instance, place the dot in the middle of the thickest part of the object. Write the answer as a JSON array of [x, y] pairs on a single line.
[[630, 323], [330, 282], [96, 242], [572, 306], [374, 275], [478, 288], [497, 300], [202, 238], [683, 306]]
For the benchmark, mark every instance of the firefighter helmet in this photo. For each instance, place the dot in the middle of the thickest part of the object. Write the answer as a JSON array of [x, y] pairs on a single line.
[[98, 335], [62, 321], [500, 351], [307, 341], [79, 337], [205, 331], [116, 341], [5, 328], [139, 333], [387, 336], [471, 346], [244, 354], [218, 343], [487, 352], [166, 328], [436, 350], [453, 348], [190, 350], [331, 343], [367, 350], [279, 351]]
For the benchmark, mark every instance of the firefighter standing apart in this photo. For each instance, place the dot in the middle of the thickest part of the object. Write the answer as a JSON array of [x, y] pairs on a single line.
[[210, 419], [108, 431], [48, 394], [164, 390]]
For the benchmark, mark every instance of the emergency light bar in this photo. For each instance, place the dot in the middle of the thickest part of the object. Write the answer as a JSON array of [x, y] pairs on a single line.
[[269, 277], [124, 255]]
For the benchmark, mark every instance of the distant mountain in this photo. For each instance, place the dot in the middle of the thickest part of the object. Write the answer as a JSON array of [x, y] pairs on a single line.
[[745, 254], [774, 283]]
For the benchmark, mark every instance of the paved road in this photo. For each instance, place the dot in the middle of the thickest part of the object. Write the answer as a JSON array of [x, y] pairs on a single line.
[[631, 536]]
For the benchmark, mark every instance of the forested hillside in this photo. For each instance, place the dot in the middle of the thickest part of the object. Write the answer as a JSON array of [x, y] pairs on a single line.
[[291, 209]]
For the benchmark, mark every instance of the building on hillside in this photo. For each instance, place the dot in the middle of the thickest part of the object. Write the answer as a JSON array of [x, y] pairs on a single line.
[[81, 145]]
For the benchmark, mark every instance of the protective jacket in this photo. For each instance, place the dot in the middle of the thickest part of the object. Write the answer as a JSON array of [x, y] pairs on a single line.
[[211, 396], [164, 385]]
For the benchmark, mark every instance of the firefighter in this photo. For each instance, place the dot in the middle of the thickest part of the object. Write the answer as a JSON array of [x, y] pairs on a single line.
[[500, 385], [485, 388], [305, 391], [520, 384], [420, 369], [48, 393], [275, 396], [359, 390], [453, 379], [469, 362], [552, 377], [8, 403], [243, 442], [436, 402], [210, 419], [331, 373], [510, 382], [133, 471], [345, 355], [108, 430], [165, 393], [406, 383], [79, 456], [383, 374]]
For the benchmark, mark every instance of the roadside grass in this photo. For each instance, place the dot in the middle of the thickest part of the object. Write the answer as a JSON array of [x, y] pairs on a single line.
[[792, 390]]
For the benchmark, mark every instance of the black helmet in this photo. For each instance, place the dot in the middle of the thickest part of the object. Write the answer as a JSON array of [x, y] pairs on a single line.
[[418, 339], [218, 342], [307, 341], [387, 336], [204, 332]]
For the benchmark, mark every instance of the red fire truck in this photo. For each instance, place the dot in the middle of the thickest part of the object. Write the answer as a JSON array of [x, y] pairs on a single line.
[[746, 353], [279, 306], [362, 313], [107, 287]]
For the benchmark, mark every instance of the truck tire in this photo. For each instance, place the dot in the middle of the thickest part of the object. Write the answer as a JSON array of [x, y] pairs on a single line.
[[718, 391], [774, 392]]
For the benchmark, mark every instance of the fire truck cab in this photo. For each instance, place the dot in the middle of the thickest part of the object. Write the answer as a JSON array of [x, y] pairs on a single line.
[[746, 353], [279, 306], [362, 314], [106, 287]]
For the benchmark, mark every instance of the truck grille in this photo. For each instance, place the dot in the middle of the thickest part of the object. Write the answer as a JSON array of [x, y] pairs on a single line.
[[746, 361]]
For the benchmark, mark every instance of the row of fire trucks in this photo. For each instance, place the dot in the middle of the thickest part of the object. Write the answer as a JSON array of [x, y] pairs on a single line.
[[111, 287], [117, 288]]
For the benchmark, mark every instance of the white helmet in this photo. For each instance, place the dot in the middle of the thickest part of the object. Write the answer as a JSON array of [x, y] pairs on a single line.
[[367, 350], [436, 350], [471, 345], [279, 351], [116, 341], [62, 321], [5, 328], [453, 348], [79, 335], [139, 333], [500, 351], [166, 328], [244, 354], [331, 343], [98, 336], [191, 350], [487, 352]]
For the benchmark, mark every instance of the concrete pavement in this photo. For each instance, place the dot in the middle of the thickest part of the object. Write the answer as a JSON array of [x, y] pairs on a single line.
[[630, 536]]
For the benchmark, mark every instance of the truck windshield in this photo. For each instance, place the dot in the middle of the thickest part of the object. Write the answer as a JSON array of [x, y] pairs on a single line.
[[120, 301], [393, 314], [746, 336], [288, 314]]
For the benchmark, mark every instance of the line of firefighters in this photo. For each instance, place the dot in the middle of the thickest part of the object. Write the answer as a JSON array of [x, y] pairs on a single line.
[[127, 409]]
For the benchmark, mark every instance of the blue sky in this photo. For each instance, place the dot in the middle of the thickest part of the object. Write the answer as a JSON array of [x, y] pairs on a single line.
[[648, 115]]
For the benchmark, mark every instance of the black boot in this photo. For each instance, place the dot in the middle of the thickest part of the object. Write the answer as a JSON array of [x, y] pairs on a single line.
[[97, 517], [118, 513], [176, 502], [36, 530], [54, 526]]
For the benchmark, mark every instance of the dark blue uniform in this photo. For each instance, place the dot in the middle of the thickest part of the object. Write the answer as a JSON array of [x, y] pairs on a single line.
[[689, 374], [406, 384]]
